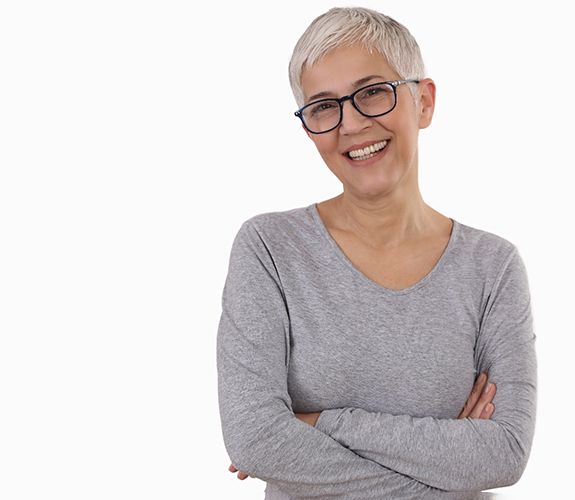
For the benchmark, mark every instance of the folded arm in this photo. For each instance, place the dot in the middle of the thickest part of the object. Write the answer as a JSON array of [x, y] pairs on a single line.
[[463, 454], [262, 435]]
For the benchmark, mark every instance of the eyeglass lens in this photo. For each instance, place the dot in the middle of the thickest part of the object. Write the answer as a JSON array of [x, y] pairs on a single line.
[[324, 115]]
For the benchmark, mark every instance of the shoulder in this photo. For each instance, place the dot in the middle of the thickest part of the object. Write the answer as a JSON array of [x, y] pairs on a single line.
[[281, 236], [270, 220], [485, 247], [272, 241], [277, 227], [488, 256]]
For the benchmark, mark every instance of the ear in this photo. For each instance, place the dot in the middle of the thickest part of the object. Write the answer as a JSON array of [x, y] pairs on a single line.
[[426, 102]]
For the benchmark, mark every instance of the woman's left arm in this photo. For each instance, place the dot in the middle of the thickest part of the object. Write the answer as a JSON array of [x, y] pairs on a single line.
[[464, 454]]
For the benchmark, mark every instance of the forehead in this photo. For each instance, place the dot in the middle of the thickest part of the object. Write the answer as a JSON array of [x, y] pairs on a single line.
[[338, 69]]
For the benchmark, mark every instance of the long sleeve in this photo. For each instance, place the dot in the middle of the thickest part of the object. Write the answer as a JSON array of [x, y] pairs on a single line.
[[464, 454], [261, 433]]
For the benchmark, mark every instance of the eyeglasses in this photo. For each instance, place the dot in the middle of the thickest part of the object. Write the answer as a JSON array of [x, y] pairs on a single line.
[[324, 115]]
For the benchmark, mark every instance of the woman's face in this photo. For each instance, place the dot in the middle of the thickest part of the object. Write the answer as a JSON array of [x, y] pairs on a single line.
[[343, 71]]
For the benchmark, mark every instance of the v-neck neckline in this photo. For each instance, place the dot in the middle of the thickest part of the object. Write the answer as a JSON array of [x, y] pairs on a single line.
[[389, 291]]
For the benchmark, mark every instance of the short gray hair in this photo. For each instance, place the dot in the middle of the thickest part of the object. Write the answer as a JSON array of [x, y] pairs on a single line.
[[344, 26]]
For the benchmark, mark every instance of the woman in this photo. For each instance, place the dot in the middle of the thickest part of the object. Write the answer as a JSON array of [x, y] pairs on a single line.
[[353, 330]]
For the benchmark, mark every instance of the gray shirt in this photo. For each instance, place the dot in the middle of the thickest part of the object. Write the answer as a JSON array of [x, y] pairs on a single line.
[[303, 330]]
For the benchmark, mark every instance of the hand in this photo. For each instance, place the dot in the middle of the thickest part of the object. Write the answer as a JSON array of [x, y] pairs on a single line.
[[241, 475], [479, 404], [309, 418]]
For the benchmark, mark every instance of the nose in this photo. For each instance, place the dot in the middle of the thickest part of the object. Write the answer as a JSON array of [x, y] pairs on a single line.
[[353, 121]]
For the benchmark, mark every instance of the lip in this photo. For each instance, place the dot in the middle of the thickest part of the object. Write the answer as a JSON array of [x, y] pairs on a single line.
[[368, 161], [362, 145]]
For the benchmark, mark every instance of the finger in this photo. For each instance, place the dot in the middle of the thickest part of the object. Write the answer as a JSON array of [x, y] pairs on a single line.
[[474, 396], [488, 411], [232, 468], [242, 475], [476, 392], [484, 400]]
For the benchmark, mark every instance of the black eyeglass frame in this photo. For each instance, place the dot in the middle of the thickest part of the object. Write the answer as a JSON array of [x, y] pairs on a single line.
[[351, 97]]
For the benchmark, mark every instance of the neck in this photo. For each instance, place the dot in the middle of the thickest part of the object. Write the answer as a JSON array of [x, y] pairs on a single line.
[[386, 222]]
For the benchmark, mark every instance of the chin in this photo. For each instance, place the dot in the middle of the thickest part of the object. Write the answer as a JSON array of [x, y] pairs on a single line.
[[371, 190]]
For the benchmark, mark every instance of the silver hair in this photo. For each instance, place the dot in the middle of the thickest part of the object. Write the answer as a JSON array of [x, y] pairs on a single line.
[[345, 26]]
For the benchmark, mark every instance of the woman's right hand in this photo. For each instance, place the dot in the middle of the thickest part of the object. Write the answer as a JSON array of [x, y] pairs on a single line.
[[241, 474], [479, 404]]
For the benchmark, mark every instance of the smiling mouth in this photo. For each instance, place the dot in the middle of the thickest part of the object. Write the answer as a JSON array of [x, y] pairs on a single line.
[[367, 152]]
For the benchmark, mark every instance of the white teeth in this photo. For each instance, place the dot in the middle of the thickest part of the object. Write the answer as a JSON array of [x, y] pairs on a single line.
[[368, 150]]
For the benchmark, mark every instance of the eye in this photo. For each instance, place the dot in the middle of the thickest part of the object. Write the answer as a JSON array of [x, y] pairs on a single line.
[[322, 108], [376, 91], [373, 91]]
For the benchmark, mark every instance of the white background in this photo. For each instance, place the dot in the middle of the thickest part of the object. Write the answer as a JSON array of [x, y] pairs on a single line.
[[135, 137]]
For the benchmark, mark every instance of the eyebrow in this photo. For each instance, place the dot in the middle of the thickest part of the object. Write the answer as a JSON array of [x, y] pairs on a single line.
[[356, 84]]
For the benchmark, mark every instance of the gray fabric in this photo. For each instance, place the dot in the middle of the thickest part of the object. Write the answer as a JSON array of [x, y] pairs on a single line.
[[303, 330]]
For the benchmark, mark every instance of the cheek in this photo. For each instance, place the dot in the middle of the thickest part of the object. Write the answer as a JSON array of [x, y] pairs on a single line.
[[327, 146]]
